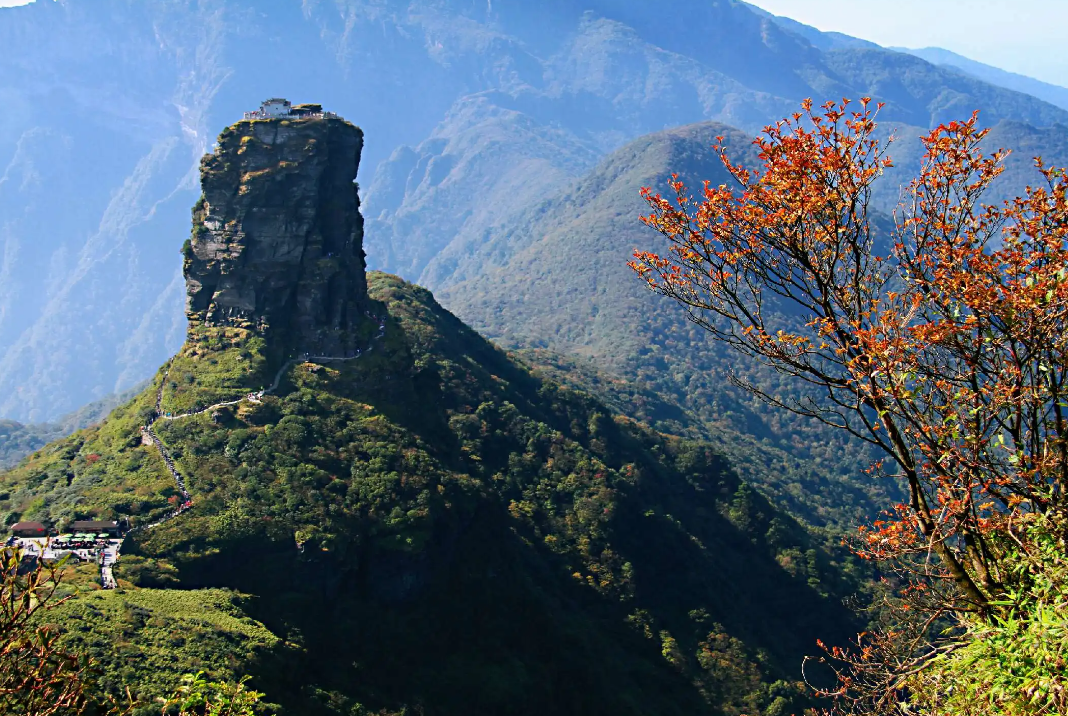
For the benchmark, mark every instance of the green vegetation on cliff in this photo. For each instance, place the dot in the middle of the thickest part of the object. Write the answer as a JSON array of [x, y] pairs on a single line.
[[434, 526]]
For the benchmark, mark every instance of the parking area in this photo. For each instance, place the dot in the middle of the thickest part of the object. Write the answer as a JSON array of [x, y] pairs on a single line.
[[102, 550]]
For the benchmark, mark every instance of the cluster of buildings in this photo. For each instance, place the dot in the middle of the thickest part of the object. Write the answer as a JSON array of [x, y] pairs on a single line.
[[81, 527], [83, 541], [278, 108]]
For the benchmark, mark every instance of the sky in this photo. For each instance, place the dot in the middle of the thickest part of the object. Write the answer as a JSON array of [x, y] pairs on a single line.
[[1024, 36]]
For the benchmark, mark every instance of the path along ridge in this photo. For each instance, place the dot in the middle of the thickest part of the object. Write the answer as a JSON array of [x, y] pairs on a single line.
[[149, 431]]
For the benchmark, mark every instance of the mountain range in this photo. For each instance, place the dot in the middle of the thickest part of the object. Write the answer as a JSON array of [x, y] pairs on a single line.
[[541, 494], [17, 440], [1054, 94], [475, 111]]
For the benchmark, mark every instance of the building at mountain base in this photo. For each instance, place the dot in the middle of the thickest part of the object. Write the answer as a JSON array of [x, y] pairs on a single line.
[[29, 529]]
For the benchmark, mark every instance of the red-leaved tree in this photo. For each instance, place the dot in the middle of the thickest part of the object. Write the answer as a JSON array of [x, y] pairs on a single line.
[[940, 337]]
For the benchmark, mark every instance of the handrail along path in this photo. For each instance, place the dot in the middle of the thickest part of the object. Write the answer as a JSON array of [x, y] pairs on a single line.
[[149, 429]]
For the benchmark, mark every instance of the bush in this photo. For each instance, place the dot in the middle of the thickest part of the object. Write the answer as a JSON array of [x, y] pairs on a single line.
[[199, 697], [1014, 665]]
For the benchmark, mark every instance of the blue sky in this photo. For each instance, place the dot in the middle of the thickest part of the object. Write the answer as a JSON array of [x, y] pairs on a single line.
[[1025, 36]]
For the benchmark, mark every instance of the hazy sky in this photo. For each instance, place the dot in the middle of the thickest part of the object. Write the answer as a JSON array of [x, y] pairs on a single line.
[[1025, 36]]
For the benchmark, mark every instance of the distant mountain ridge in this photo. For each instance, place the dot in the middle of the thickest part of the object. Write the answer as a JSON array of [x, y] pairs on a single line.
[[824, 40], [1047, 92], [1054, 94], [482, 108], [18, 440], [747, 90]]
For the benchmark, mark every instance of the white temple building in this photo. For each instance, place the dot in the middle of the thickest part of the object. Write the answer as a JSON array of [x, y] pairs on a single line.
[[279, 108]]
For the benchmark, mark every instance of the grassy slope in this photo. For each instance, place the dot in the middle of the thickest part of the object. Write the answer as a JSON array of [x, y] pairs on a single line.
[[149, 638], [18, 440], [477, 539]]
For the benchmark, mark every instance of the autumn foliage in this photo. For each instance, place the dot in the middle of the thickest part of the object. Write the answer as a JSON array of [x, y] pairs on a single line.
[[939, 335], [37, 676]]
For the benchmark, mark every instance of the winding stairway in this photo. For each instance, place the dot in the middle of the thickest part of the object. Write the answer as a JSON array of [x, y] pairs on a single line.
[[148, 431]]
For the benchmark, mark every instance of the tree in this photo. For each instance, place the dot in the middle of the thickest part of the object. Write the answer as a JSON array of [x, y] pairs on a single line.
[[37, 676], [942, 341]]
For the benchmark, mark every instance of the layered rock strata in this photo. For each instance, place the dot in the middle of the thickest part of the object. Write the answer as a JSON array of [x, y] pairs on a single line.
[[277, 244]]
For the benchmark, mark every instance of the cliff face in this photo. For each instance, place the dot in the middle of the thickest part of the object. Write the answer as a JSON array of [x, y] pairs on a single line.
[[277, 244]]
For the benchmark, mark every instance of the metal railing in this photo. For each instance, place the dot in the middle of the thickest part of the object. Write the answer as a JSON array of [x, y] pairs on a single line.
[[259, 114]]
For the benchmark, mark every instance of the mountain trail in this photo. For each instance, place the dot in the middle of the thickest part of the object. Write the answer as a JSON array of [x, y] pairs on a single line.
[[149, 432]]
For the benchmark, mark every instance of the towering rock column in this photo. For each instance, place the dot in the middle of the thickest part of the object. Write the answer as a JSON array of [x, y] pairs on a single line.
[[277, 244]]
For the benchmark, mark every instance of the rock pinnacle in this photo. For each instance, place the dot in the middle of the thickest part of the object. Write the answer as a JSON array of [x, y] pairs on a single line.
[[277, 243]]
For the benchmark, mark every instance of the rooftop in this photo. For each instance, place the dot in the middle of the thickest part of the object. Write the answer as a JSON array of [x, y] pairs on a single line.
[[280, 108], [93, 526]]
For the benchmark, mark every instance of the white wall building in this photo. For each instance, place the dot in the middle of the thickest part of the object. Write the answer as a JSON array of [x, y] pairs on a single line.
[[271, 109], [278, 108]]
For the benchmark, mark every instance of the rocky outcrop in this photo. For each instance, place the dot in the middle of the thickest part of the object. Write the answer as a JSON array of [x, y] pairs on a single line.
[[277, 244]]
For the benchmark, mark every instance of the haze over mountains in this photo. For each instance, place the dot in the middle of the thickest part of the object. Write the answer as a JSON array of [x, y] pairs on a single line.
[[1054, 94], [337, 485], [478, 110]]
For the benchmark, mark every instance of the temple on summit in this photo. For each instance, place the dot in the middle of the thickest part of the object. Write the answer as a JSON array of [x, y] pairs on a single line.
[[279, 108], [277, 243]]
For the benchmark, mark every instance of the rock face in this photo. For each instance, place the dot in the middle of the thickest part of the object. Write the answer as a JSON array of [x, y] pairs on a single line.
[[277, 244]]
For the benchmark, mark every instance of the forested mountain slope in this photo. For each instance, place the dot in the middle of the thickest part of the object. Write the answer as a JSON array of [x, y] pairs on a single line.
[[373, 506], [556, 277], [479, 109], [433, 525]]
